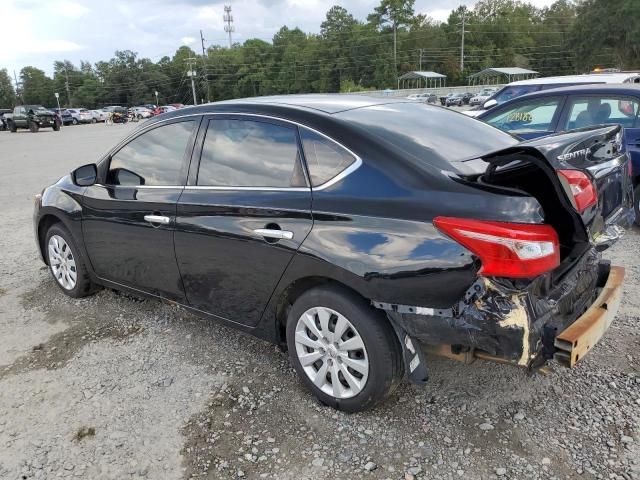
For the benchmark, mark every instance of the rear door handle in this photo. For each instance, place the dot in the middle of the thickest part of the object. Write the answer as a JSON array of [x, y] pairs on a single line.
[[273, 233], [157, 219]]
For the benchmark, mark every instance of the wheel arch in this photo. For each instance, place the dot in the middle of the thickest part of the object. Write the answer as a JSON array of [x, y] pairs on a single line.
[[44, 224], [293, 291]]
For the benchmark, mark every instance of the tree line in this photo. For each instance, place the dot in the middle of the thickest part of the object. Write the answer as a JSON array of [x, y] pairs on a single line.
[[349, 54]]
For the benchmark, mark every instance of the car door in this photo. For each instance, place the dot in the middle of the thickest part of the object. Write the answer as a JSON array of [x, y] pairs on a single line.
[[128, 221], [243, 215], [527, 118]]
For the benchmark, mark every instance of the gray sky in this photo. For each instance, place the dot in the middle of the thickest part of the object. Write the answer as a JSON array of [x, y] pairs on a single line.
[[48, 30]]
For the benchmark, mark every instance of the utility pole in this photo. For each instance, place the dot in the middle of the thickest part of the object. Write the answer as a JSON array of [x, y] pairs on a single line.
[[395, 54], [464, 19], [228, 18], [204, 66], [420, 59], [191, 73]]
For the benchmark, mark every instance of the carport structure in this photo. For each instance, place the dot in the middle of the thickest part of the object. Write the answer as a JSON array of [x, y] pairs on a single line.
[[431, 79], [490, 76]]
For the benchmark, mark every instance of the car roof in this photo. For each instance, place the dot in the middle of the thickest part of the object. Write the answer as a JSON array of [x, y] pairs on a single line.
[[612, 89], [327, 103], [585, 78]]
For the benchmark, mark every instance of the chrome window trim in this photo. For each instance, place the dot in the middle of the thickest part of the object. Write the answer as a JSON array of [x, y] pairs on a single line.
[[340, 176]]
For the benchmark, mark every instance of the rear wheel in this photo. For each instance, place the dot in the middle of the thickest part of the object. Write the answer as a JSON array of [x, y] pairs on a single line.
[[74, 121], [344, 350], [66, 263], [94, 120], [12, 127], [34, 127]]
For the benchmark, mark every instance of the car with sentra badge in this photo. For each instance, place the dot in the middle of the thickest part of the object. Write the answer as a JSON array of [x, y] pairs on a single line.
[[357, 233]]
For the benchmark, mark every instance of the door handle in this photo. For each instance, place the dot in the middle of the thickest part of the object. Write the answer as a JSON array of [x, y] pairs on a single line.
[[157, 219], [274, 233]]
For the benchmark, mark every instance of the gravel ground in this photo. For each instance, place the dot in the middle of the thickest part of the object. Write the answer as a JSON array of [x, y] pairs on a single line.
[[114, 387]]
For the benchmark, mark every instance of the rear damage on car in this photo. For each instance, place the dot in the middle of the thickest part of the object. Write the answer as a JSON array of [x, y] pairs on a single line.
[[543, 291]]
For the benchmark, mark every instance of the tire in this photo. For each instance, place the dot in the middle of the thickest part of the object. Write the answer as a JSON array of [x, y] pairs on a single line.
[[93, 120], [34, 127], [74, 121], [58, 245], [636, 204], [56, 126], [379, 361], [12, 127]]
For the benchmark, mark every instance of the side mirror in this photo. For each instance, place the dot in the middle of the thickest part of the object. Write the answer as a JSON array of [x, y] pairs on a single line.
[[489, 103], [85, 175]]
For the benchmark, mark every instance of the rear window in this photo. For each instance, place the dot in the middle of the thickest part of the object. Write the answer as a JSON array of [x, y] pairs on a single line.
[[432, 135], [515, 91]]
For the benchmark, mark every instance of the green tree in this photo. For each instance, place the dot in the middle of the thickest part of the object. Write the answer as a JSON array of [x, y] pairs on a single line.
[[37, 88], [7, 93], [607, 33]]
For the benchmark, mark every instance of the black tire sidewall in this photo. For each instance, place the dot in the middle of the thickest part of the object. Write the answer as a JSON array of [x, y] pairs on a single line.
[[381, 343], [83, 286]]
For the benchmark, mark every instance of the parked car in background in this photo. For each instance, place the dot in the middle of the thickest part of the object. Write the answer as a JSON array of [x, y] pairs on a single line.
[[457, 99], [443, 99], [177, 105], [424, 97], [99, 116], [550, 111], [32, 117], [482, 96], [163, 109], [310, 221], [141, 112], [523, 87], [3, 121], [80, 115]]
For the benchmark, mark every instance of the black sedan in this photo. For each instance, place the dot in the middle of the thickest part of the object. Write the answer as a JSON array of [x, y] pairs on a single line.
[[356, 232]]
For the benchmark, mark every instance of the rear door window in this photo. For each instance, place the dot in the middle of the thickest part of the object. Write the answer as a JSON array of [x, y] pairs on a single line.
[[532, 116], [325, 158], [154, 158], [249, 153], [598, 110]]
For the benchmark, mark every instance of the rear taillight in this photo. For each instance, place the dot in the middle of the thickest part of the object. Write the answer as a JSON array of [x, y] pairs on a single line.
[[513, 250], [584, 193]]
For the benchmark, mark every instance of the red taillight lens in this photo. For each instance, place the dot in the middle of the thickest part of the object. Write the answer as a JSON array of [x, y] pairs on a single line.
[[513, 250], [583, 191]]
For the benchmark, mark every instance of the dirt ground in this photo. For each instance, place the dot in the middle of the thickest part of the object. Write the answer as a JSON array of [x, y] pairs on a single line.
[[114, 387]]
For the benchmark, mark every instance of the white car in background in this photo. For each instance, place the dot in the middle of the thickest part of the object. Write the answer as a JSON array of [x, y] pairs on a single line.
[[80, 115], [99, 115], [482, 97], [141, 112]]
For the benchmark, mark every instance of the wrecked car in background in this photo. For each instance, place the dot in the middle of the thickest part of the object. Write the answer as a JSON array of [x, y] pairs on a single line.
[[355, 232]]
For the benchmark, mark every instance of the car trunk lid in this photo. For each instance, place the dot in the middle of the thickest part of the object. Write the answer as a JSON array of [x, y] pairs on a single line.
[[564, 172]]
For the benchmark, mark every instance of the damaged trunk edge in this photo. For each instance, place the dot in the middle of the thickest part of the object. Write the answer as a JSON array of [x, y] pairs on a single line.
[[560, 314]]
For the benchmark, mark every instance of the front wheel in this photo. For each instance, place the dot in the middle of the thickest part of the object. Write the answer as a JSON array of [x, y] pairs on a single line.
[[74, 121], [56, 126], [66, 263], [12, 127], [344, 350], [93, 120], [34, 127]]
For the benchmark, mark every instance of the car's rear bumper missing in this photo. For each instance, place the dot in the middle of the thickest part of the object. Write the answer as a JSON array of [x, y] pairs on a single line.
[[561, 316], [574, 342]]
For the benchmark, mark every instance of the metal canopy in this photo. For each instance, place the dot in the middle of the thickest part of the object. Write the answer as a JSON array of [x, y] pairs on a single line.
[[497, 74], [432, 79]]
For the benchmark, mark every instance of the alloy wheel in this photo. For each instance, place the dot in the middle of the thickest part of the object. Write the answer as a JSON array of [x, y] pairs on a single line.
[[331, 352], [63, 264]]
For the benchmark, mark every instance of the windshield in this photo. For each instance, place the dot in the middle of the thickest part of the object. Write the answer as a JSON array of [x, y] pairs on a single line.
[[514, 91]]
